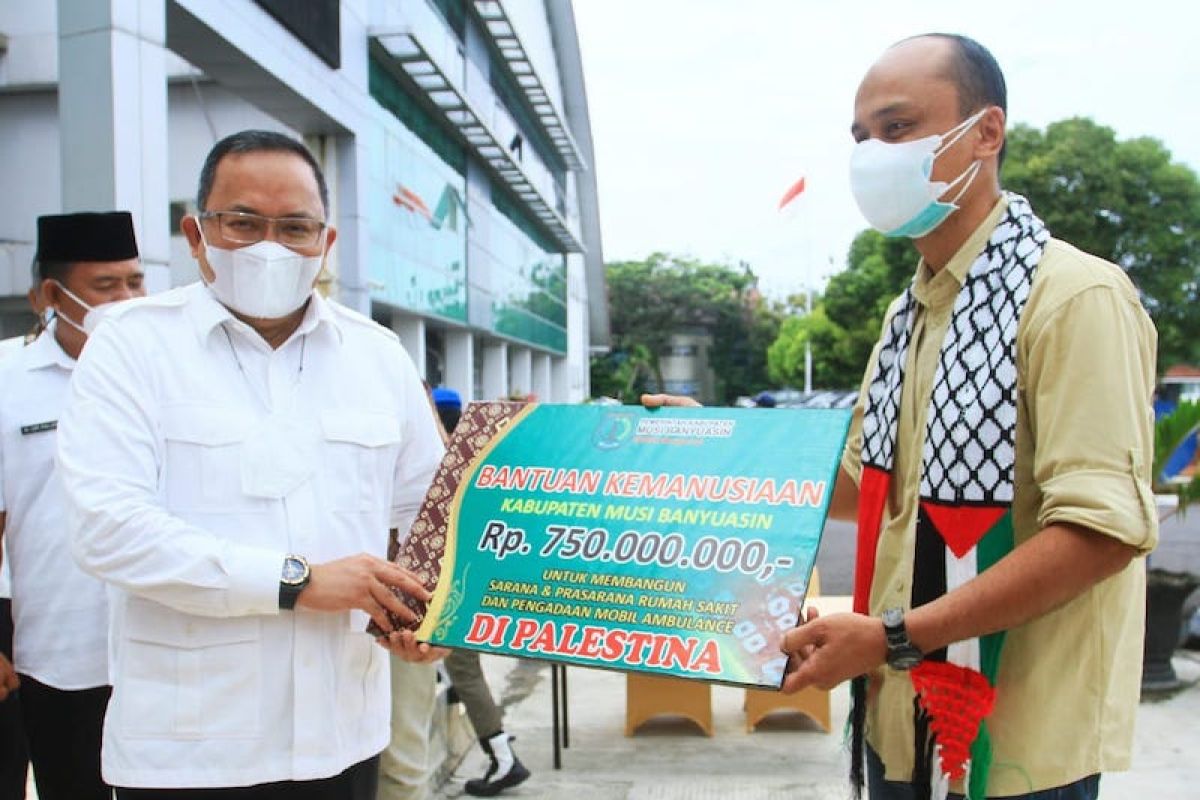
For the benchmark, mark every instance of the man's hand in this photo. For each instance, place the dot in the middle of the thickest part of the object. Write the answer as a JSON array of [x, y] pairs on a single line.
[[824, 651], [9, 682], [660, 400], [362, 582], [404, 645]]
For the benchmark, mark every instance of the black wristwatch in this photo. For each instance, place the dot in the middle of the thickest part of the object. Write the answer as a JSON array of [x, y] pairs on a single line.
[[292, 580], [901, 652]]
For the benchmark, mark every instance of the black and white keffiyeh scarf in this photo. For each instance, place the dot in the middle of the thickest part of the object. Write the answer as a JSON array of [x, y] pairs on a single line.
[[966, 489]]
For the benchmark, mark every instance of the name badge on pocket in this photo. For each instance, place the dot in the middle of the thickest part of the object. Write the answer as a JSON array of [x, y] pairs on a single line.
[[39, 427]]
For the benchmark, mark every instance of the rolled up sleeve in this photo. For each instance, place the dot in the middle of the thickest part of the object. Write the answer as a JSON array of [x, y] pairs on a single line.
[[1089, 384], [109, 458]]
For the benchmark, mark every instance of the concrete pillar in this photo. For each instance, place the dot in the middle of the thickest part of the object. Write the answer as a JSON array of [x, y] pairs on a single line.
[[411, 331], [560, 380], [520, 370], [348, 208], [112, 111], [495, 371], [460, 363], [542, 383]]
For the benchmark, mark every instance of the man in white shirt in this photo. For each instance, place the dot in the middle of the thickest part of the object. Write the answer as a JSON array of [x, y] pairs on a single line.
[[84, 262], [234, 454], [14, 751]]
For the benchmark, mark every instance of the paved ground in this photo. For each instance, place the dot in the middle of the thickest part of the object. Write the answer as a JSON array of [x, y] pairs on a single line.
[[788, 757]]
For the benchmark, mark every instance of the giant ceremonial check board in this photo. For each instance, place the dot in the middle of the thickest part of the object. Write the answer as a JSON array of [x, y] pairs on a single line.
[[677, 541]]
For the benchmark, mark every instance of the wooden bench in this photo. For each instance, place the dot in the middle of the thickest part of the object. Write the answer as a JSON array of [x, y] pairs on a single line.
[[650, 696], [813, 703]]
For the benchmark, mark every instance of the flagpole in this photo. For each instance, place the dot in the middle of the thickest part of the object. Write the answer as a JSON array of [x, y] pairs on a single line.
[[790, 196], [808, 338]]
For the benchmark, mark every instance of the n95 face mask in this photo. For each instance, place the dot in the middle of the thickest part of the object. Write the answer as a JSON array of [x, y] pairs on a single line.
[[264, 280], [892, 187]]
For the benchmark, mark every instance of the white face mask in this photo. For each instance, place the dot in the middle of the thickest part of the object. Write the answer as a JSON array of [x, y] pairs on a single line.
[[890, 182], [264, 280], [92, 317]]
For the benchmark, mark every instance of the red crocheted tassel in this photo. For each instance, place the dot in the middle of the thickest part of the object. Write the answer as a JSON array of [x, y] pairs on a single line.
[[956, 699]]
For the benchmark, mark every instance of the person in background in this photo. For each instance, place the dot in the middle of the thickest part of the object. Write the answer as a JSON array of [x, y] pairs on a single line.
[[448, 405], [764, 400], [85, 263], [233, 455], [14, 749], [505, 770], [405, 768]]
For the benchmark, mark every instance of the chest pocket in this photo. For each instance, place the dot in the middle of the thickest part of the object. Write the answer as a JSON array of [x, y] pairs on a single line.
[[185, 677], [202, 467], [34, 448], [359, 460]]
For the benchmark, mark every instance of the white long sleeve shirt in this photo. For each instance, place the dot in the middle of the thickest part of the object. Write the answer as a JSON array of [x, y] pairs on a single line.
[[51, 595], [194, 458]]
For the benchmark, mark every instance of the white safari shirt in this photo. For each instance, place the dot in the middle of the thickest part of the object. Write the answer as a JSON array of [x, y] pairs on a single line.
[[194, 459], [60, 614]]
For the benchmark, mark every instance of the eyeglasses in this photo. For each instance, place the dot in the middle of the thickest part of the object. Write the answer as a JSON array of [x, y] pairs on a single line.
[[243, 228]]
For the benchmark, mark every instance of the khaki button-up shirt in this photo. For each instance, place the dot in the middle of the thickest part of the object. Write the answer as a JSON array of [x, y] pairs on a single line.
[[1068, 683]]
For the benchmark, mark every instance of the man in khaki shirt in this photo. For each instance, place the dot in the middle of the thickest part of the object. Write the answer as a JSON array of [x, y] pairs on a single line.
[[1070, 590]]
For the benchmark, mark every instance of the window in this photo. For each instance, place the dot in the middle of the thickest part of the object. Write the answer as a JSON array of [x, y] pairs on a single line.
[[175, 214]]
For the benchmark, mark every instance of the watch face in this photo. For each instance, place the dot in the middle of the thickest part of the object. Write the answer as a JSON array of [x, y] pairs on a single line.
[[294, 570], [893, 617]]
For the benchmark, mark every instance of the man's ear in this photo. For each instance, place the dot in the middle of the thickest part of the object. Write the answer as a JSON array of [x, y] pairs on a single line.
[[47, 291], [991, 133], [190, 226]]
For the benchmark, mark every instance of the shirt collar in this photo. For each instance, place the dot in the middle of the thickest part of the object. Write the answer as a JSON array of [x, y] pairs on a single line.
[[45, 351], [936, 289], [207, 313]]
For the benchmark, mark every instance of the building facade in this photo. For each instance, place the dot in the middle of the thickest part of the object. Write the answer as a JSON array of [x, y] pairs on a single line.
[[454, 135]]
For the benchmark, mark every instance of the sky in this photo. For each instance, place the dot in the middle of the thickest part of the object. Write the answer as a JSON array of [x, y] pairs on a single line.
[[704, 112]]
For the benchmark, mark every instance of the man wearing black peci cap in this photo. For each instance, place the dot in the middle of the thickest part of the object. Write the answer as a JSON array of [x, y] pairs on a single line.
[[84, 263]]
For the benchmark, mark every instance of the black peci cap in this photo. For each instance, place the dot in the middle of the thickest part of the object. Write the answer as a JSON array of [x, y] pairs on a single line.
[[88, 236]]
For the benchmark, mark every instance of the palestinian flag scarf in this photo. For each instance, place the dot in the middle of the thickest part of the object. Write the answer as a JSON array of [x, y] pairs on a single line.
[[964, 520]]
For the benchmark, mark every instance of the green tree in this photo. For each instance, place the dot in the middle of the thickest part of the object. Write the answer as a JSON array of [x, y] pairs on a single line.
[[1125, 201], [846, 320], [652, 299]]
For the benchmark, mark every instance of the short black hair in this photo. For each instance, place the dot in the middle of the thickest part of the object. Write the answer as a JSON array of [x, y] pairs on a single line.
[[977, 76], [253, 141]]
